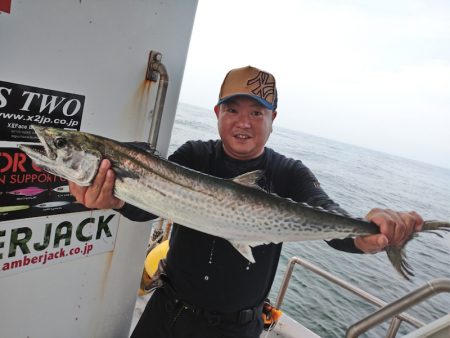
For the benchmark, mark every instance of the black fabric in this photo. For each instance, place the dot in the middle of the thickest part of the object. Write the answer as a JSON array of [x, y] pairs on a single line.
[[162, 318], [240, 317], [206, 270]]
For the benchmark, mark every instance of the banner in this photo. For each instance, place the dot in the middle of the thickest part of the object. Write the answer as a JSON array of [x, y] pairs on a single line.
[[34, 243], [22, 105]]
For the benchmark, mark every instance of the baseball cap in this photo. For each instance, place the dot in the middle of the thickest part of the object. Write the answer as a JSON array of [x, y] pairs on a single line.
[[252, 82]]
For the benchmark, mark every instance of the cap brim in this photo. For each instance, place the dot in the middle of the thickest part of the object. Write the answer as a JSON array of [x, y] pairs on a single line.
[[254, 97]]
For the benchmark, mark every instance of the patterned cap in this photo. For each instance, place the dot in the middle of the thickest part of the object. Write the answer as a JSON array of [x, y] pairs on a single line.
[[252, 82]]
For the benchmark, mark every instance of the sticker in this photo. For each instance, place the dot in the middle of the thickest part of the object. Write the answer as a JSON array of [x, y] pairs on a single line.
[[22, 105], [39, 242], [5, 6], [28, 191]]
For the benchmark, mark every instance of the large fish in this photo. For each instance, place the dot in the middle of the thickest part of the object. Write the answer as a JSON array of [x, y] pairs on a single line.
[[235, 209]]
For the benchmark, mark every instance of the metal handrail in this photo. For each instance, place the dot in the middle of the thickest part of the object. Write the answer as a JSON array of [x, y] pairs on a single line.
[[154, 68], [432, 288], [344, 284]]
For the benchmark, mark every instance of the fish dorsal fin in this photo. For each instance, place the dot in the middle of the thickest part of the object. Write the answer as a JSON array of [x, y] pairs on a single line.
[[249, 179]]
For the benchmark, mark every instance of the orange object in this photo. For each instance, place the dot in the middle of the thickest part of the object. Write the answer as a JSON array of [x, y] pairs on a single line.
[[270, 316]]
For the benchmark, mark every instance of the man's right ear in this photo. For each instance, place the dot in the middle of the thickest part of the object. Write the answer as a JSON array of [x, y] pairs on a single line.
[[217, 110]]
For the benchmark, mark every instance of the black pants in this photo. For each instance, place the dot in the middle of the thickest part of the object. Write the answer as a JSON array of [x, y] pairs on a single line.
[[162, 318]]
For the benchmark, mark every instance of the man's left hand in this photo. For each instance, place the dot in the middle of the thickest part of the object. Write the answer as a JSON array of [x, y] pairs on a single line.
[[395, 229]]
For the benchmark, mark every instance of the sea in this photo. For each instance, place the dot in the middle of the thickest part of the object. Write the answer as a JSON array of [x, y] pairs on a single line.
[[358, 179]]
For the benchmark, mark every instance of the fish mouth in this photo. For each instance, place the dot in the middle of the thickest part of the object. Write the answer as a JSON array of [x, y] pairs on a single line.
[[40, 152]]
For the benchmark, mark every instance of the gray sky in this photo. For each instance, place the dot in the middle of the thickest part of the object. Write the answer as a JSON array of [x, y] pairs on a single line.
[[370, 73]]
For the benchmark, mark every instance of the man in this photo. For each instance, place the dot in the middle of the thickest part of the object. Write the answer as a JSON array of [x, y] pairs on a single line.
[[210, 290]]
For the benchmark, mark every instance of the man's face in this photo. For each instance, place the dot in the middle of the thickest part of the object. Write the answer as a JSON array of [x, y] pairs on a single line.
[[244, 127]]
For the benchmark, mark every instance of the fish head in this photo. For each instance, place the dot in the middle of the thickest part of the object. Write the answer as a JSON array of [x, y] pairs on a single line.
[[65, 153]]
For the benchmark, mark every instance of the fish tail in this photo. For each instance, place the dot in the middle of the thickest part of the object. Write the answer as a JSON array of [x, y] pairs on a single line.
[[397, 255], [434, 226]]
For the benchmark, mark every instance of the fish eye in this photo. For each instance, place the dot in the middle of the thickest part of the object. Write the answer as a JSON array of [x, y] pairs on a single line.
[[60, 142]]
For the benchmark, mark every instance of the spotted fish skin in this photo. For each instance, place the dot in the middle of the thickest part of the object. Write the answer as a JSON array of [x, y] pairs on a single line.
[[230, 208]]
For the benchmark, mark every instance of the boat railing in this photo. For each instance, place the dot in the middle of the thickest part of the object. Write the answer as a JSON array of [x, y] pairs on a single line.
[[431, 288], [394, 310]]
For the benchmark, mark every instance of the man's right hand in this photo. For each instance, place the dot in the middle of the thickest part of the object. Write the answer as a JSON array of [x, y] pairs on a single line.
[[99, 195]]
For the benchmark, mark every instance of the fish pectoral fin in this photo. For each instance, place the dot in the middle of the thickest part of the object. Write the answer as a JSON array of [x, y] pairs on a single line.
[[122, 173], [245, 250], [249, 179]]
